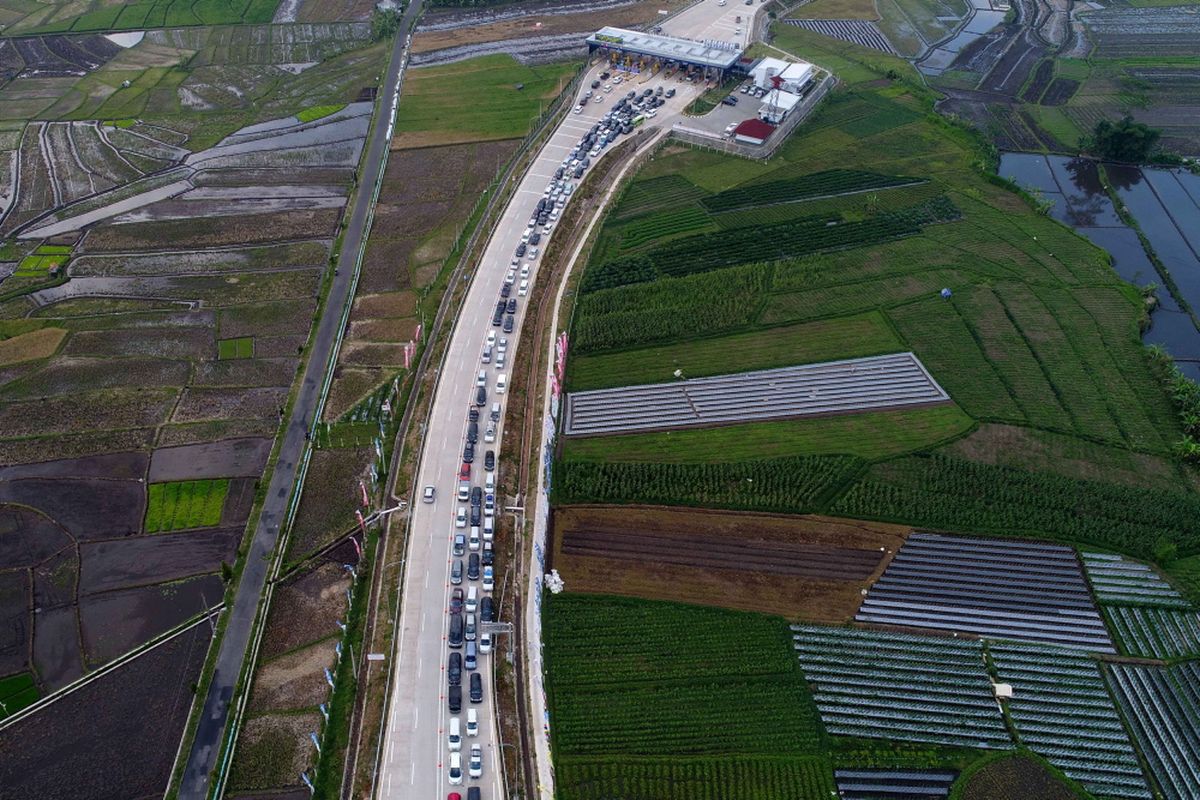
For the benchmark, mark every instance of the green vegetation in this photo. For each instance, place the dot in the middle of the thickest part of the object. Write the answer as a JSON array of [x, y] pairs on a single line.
[[314, 113], [870, 436], [151, 14], [1127, 141], [41, 263], [1038, 343], [181, 505], [712, 97], [632, 682], [480, 99], [240, 347], [17, 692], [823, 340]]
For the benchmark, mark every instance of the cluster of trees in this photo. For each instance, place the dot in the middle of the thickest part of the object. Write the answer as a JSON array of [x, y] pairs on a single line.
[[1126, 141]]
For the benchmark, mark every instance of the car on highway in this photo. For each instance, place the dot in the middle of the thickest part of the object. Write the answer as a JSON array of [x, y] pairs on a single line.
[[512, 304], [475, 764], [471, 632], [456, 601], [454, 668], [460, 544], [473, 793], [454, 735], [476, 495], [485, 643], [428, 493], [481, 392], [489, 504], [476, 690], [523, 289], [456, 573], [460, 519], [473, 430], [455, 636], [473, 541], [470, 661], [489, 435], [488, 556], [578, 109], [456, 773], [472, 600], [469, 453], [489, 459], [489, 580], [487, 609], [475, 515], [508, 327], [501, 382], [472, 574]]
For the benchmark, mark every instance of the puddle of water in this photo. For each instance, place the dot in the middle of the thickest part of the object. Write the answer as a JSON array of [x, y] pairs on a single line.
[[1164, 204], [126, 40], [984, 21]]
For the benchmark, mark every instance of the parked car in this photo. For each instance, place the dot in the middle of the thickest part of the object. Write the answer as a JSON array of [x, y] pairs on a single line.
[[487, 609], [454, 668], [489, 580], [476, 690], [475, 764], [489, 459], [456, 600], [460, 544], [456, 773]]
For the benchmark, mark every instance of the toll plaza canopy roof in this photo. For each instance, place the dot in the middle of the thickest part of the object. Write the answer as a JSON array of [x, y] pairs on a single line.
[[720, 55]]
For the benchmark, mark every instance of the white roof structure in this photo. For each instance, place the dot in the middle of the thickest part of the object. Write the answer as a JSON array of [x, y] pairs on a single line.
[[781, 101], [798, 73], [772, 66], [721, 55]]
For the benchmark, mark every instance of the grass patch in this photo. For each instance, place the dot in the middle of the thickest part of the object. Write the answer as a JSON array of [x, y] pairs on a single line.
[[823, 340], [476, 100], [39, 266], [869, 436], [711, 98], [17, 692], [315, 113], [41, 343], [181, 505], [240, 347]]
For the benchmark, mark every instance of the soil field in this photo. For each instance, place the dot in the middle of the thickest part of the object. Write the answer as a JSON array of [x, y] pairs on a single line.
[[191, 233], [95, 509], [1038, 83], [1060, 91], [14, 622], [802, 567], [305, 607], [224, 459], [1015, 776], [122, 563], [108, 465], [69, 751], [116, 622]]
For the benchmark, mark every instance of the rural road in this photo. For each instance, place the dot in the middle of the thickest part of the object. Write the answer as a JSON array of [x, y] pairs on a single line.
[[214, 714], [415, 757]]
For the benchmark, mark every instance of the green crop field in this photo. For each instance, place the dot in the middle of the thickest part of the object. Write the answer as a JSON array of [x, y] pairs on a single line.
[[840, 246], [241, 347], [17, 692], [648, 697], [480, 99], [182, 505], [314, 113], [77, 17]]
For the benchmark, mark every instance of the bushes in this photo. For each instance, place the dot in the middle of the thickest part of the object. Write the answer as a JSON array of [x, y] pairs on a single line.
[[953, 494], [817, 184], [794, 484]]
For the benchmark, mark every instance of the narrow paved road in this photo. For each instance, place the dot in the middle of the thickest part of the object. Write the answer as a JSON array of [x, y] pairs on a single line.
[[206, 747]]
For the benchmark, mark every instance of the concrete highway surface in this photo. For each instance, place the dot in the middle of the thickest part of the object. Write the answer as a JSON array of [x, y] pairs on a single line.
[[214, 714], [415, 755]]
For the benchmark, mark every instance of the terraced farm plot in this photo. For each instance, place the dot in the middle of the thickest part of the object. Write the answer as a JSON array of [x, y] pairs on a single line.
[[897, 686], [675, 778], [1119, 580], [1156, 632], [240, 347], [614, 699], [185, 504], [1162, 706], [1007, 590], [1062, 711], [870, 784], [833, 387], [17, 692]]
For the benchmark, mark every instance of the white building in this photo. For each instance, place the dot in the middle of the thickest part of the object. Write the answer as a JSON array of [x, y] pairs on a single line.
[[796, 76], [766, 69], [777, 105]]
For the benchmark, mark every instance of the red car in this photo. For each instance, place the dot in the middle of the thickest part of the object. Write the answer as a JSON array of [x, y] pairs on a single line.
[[464, 473], [454, 796]]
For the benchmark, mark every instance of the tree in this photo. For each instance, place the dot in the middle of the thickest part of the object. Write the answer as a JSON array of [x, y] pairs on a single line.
[[1126, 141], [385, 22]]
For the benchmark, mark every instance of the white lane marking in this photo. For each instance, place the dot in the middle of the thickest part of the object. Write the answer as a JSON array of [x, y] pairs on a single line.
[[420, 666], [416, 713], [412, 776]]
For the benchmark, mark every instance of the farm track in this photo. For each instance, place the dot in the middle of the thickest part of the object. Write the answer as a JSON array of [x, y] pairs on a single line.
[[778, 558]]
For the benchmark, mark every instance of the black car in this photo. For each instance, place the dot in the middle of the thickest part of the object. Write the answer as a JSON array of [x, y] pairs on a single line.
[[456, 631], [520, 250], [647, 93], [454, 698], [476, 496], [481, 394], [489, 459], [497, 319], [469, 452], [604, 76], [595, 84], [579, 171], [454, 668], [512, 306], [558, 173], [473, 567], [508, 324], [506, 290], [456, 601], [476, 687], [487, 613], [472, 432], [475, 515], [536, 238], [670, 92], [473, 415], [489, 555]]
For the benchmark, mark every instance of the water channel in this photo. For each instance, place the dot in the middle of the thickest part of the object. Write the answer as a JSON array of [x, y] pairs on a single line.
[[1166, 205]]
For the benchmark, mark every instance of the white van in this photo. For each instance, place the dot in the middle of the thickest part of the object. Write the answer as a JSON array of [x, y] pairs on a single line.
[[501, 383], [454, 738], [472, 722], [523, 289], [489, 527], [481, 378], [456, 775], [472, 599], [473, 542], [489, 482]]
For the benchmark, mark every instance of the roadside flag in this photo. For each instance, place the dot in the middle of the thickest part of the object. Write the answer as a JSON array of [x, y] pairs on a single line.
[[362, 524], [357, 548], [329, 677], [316, 742], [363, 488]]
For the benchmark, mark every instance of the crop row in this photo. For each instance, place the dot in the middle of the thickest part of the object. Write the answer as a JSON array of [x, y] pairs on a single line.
[[1162, 706], [793, 484], [713, 778], [185, 504], [672, 308], [1156, 632], [956, 494], [1062, 710], [647, 196], [683, 219], [600, 640], [1116, 579], [817, 184]]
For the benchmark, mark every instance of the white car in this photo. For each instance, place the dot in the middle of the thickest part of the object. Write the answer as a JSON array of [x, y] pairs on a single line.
[[454, 735], [502, 345], [578, 109], [599, 98], [491, 338], [456, 776], [475, 765], [533, 252], [523, 289], [485, 643], [472, 722], [525, 269], [510, 277], [489, 435], [617, 80], [460, 521], [489, 579]]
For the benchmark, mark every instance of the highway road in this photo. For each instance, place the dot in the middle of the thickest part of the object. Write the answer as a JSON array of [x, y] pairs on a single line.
[[415, 755], [214, 714]]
